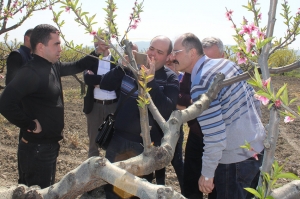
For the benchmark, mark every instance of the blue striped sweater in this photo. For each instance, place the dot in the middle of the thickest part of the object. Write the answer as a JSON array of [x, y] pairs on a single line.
[[232, 118]]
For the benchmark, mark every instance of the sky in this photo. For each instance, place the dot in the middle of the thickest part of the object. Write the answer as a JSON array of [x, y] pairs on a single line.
[[163, 17]]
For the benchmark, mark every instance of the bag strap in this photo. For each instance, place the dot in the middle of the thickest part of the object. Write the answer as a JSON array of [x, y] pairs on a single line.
[[127, 96]]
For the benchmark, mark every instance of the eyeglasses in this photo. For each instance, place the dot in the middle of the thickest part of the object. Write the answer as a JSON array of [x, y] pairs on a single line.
[[174, 52]]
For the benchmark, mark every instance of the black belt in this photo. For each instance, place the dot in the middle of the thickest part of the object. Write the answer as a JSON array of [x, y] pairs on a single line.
[[105, 102]]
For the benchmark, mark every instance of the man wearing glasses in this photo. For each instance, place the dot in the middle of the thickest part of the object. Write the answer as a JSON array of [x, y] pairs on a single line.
[[126, 141], [232, 118]]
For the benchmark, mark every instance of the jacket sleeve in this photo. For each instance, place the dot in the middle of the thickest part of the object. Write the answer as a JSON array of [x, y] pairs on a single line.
[[165, 97], [71, 68], [13, 64], [23, 84], [91, 80], [112, 80], [184, 98]]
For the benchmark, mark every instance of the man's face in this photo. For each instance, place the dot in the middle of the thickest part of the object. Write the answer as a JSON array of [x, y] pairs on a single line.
[[101, 45], [158, 50], [181, 57], [213, 52], [53, 49]]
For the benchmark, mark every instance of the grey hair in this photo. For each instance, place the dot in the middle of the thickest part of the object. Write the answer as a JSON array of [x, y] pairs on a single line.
[[210, 41]]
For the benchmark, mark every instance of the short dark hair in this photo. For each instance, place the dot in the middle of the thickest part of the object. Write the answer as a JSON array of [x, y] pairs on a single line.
[[170, 43], [28, 32], [190, 41], [41, 34]]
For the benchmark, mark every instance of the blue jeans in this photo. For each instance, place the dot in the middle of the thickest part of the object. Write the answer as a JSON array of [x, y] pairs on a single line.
[[38, 163], [231, 179]]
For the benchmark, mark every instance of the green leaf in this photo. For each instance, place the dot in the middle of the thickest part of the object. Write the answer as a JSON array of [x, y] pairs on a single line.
[[269, 197], [288, 176], [281, 90], [254, 192], [252, 82]]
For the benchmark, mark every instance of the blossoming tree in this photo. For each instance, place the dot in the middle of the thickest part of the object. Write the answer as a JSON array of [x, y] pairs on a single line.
[[98, 171]]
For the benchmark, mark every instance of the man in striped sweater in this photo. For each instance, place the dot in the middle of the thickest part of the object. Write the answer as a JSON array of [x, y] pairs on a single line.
[[232, 118]]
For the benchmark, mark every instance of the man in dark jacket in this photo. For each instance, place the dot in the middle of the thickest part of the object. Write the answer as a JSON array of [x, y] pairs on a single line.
[[18, 57], [37, 86], [98, 103], [126, 141], [15, 60]]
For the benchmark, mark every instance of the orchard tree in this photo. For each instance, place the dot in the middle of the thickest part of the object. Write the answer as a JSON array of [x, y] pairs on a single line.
[[251, 50]]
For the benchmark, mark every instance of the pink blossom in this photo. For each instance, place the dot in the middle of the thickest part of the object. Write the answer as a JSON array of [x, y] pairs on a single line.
[[20, 10], [253, 53], [277, 103], [249, 43], [134, 26], [264, 100], [254, 1], [259, 16], [114, 36], [298, 13], [94, 33], [288, 119], [1, 76], [252, 27], [255, 156], [68, 9], [244, 30], [228, 14], [266, 82], [260, 35], [50, 7], [242, 60]]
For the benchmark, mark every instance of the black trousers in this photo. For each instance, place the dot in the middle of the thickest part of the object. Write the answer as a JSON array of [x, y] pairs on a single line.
[[177, 163], [37, 163], [193, 167]]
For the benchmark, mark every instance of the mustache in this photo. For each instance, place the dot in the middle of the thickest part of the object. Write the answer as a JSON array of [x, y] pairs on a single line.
[[172, 62]]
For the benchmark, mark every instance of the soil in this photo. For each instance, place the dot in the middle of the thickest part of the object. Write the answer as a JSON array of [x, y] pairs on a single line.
[[75, 144]]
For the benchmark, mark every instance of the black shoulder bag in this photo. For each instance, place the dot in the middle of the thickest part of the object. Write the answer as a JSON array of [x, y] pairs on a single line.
[[106, 129]]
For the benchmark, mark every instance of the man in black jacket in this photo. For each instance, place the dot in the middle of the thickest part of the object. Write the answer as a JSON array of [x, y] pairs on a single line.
[[98, 103], [126, 141], [38, 86], [15, 60], [18, 57]]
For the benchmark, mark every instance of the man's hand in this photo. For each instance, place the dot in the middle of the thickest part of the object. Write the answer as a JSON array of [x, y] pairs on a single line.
[[38, 127], [206, 185], [90, 72], [151, 69]]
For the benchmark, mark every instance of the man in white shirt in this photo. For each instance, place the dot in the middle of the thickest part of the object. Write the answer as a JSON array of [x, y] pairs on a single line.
[[98, 103]]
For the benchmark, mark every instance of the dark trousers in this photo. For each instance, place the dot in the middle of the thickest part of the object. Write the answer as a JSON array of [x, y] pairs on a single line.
[[177, 163], [231, 179], [38, 163], [193, 167], [94, 119], [120, 149]]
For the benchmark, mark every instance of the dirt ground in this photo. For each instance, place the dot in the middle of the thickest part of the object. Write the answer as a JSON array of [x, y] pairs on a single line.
[[75, 144]]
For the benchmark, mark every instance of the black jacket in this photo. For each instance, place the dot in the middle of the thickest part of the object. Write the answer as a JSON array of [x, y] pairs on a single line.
[[38, 86], [164, 93], [15, 60], [92, 80]]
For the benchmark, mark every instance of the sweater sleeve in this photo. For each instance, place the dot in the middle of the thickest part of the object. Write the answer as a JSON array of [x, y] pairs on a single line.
[[24, 83], [213, 128], [91, 80], [165, 97], [71, 68]]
